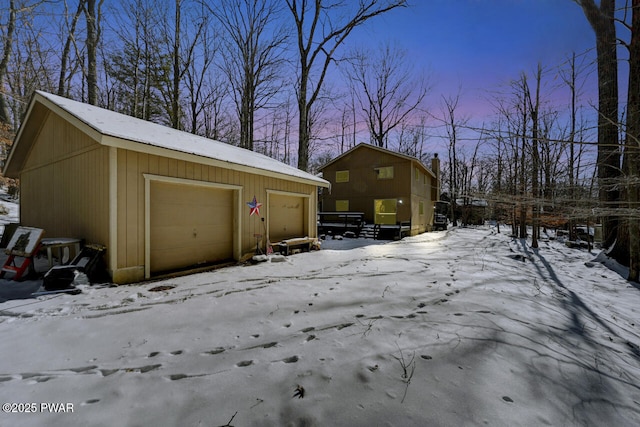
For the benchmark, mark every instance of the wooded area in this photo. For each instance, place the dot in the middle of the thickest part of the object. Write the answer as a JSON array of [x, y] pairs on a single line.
[[280, 78]]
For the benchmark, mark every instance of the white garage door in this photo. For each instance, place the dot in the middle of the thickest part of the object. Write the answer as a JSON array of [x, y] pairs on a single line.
[[189, 225], [286, 217]]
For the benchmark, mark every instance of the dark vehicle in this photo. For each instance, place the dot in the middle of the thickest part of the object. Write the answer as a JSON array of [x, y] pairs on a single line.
[[440, 222]]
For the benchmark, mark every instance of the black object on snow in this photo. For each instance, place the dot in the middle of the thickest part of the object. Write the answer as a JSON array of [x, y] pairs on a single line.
[[89, 261]]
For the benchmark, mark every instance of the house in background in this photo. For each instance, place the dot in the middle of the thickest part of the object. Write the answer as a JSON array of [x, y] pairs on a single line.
[[391, 189], [159, 199]]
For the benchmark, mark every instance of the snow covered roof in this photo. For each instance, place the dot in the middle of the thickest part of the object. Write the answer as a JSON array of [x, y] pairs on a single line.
[[119, 130]]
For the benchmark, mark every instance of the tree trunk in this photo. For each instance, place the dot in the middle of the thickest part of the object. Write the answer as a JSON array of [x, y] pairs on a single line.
[[523, 176], [323, 39], [303, 116], [67, 48], [175, 108], [572, 177], [633, 143], [6, 53], [92, 47], [608, 159], [535, 190]]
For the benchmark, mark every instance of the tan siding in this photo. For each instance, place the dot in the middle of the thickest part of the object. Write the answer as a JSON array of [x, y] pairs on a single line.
[[163, 166], [65, 185], [122, 209], [131, 208], [132, 166], [66, 191], [56, 141]]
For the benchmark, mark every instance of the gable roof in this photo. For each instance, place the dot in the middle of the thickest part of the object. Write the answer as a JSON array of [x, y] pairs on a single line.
[[118, 130], [363, 145]]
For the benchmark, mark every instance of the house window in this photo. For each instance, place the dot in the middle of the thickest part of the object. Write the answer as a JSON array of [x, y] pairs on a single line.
[[342, 205], [417, 174], [384, 172], [342, 176], [421, 208]]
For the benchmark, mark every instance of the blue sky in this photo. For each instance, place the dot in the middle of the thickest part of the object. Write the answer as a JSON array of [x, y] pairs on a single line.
[[480, 45]]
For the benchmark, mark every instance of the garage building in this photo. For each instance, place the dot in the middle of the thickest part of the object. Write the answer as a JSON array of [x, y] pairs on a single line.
[[159, 199]]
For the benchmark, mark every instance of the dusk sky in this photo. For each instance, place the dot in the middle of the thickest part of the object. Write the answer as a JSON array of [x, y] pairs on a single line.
[[480, 45]]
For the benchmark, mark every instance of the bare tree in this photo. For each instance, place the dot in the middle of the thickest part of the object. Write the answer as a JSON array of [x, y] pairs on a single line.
[[179, 46], [253, 44], [571, 81], [71, 35], [217, 123], [533, 106], [30, 65], [320, 30], [412, 138], [135, 64], [386, 88], [632, 143], [452, 124], [7, 48], [92, 16], [199, 95], [602, 21]]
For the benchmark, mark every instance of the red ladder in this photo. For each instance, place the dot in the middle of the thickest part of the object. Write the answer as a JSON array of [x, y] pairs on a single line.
[[18, 270]]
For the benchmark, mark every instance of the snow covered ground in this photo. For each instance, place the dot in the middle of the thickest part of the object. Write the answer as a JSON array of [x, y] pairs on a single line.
[[454, 328]]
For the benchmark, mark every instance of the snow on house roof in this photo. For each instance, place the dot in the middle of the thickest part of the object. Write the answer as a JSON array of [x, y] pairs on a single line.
[[363, 145], [127, 128]]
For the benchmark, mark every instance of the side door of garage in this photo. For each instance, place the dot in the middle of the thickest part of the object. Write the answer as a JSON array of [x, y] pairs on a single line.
[[287, 216]]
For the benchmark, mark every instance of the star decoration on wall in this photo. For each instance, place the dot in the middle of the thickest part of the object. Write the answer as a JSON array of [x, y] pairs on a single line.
[[254, 206]]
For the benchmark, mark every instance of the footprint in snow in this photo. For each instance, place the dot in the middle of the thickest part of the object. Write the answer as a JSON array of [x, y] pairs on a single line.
[[143, 369], [83, 369], [244, 363], [292, 359], [344, 325], [217, 350], [175, 377]]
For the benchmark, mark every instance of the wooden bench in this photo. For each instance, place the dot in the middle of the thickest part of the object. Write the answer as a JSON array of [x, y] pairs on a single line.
[[285, 247]]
